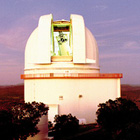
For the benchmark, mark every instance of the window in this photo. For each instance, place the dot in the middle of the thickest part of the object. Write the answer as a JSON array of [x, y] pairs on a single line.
[[61, 41]]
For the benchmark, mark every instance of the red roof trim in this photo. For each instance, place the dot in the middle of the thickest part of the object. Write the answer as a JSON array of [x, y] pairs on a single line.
[[71, 76]]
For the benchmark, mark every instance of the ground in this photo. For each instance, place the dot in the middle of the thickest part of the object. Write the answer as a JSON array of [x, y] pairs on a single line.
[[15, 93]]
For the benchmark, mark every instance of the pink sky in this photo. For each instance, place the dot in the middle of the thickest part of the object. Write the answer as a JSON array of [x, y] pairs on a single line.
[[115, 25]]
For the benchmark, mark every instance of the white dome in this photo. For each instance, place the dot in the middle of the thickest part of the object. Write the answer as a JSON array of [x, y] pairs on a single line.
[[91, 47], [34, 51]]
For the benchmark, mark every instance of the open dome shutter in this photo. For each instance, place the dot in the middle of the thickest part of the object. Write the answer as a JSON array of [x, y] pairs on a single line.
[[78, 37], [44, 39]]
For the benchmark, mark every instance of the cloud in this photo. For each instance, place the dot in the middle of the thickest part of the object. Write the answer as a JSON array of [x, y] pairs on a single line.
[[10, 74], [109, 42], [108, 22], [134, 30], [19, 1], [15, 37], [118, 55], [100, 7], [117, 26], [123, 37], [110, 56], [3, 54], [9, 62], [131, 45], [8, 59]]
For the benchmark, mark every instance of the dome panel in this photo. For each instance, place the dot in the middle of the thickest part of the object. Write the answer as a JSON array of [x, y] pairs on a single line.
[[31, 49], [91, 47], [34, 48]]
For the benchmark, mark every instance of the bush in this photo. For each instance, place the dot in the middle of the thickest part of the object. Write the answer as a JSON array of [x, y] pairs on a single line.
[[50, 125], [115, 116], [66, 124], [131, 132], [21, 120]]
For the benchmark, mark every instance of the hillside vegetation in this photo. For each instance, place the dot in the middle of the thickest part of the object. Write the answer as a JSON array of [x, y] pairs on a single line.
[[132, 93], [15, 93], [11, 94]]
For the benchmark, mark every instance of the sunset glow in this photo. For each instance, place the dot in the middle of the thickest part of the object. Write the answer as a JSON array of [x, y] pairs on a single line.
[[115, 25]]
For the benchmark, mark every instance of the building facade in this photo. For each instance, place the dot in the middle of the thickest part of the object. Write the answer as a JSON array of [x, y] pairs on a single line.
[[62, 69]]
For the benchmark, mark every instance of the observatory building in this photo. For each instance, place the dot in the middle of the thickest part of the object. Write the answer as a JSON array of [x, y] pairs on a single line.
[[62, 69]]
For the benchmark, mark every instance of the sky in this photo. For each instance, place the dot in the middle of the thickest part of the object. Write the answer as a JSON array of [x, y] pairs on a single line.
[[115, 25]]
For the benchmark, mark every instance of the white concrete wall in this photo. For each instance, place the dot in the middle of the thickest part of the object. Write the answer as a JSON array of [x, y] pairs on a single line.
[[93, 91]]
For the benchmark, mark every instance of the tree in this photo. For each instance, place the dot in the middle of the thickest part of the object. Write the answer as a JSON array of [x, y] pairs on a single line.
[[65, 125], [6, 125], [131, 132], [21, 120], [115, 116]]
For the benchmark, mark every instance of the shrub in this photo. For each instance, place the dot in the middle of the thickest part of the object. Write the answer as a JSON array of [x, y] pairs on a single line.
[[50, 125], [21, 120], [115, 116], [66, 124]]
